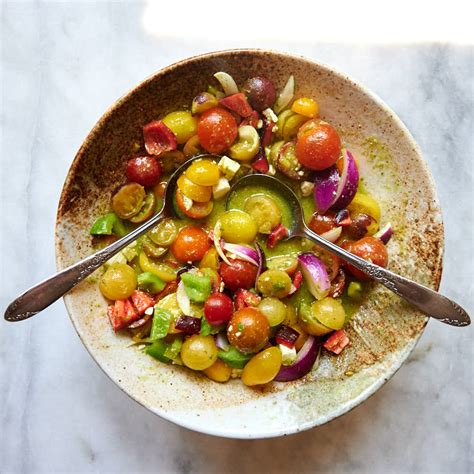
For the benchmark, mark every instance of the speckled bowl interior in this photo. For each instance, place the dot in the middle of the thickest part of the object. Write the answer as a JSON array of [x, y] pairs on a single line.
[[382, 333]]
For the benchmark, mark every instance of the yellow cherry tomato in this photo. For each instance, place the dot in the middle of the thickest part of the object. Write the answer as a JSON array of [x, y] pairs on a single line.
[[238, 227], [182, 124], [203, 172], [263, 367], [210, 259], [128, 200], [305, 106], [292, 125], [219, 371], [194, 191], [199, 352], [365, 204], [118, 282]]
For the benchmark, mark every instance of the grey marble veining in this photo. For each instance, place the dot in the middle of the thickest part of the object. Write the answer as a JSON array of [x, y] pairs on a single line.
[[62, 65]]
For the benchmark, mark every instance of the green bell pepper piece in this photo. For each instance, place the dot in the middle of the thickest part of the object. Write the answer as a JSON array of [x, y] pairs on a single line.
[[198, 287], [161, 323], [234, 358], [173, 349], [207, 329], [109, 224], [150, 282], [157, 350]]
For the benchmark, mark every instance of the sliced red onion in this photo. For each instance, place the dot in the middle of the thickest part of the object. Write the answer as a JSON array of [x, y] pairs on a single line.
[[222, 342], [325, 188], [227, 82], [303, 363], [242, 252], [333, 234], [216, 237], [385, 233], [183, 300], [315, 274], [285, 95], [348, 183], [261, 259]]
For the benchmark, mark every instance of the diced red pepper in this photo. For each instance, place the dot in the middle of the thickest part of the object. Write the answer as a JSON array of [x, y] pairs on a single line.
[[297, 280], [122, 314], [142, 301], [277, 234], [158, 138], [287, 336], [336, 341], [252, 119], [267, 132], [261, 163], [244, 298], [170, 287], [238, 103]]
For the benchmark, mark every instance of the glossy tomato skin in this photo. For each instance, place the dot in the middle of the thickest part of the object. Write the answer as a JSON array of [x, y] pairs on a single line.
[[190, 245], [217, 130], [218, 309], [322, 223], [248, 330], [145, 170], [318, 147], [370, 249], [239, 274]]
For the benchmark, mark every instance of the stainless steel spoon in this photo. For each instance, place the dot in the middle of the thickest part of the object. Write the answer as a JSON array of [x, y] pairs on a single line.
[[428, 301], [47, 292]]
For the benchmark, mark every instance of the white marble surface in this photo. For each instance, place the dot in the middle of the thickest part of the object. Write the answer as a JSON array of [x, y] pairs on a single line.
[[62, 66]]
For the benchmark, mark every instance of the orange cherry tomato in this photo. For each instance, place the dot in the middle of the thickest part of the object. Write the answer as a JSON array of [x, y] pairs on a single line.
[[322, 223], [370, 249], [217, 130], [318, 146], [248, 330], [190, 245], [193, 209]]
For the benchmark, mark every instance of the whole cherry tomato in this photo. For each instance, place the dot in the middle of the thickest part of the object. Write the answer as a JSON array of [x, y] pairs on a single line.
[[248, 330], [318, 145], [217, 130], [370, 249], [322, 223], [218, 309], [144, 170], [239, 274], [190, 245]]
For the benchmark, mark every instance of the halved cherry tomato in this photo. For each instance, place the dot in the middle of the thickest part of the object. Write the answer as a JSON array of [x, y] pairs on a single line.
[[194, 191], [239, 274], [128, 200], [192, 209], [144, 170], [318, 147], [217, 130], [370, 249], [203, 172], [147, 209], [190, 245]]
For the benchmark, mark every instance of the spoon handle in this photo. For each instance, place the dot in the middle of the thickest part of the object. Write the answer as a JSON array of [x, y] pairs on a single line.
[[428, 301], [48, 291]]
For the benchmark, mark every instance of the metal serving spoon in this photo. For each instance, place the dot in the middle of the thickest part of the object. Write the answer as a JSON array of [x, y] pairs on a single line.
[[428, 301], [48, 291]]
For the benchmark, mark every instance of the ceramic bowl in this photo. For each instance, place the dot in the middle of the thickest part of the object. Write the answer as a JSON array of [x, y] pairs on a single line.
[[384, 330]]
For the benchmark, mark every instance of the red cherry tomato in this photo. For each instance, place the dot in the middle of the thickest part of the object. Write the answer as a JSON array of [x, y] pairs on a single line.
[[217, 130], [144, 170], [370, 249], [318, 146], [322, 223], [239, 274], [190, 245], [218, 309]]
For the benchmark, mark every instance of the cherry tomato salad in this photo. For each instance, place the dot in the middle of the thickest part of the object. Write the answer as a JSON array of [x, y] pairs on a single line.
[[218, 289]]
